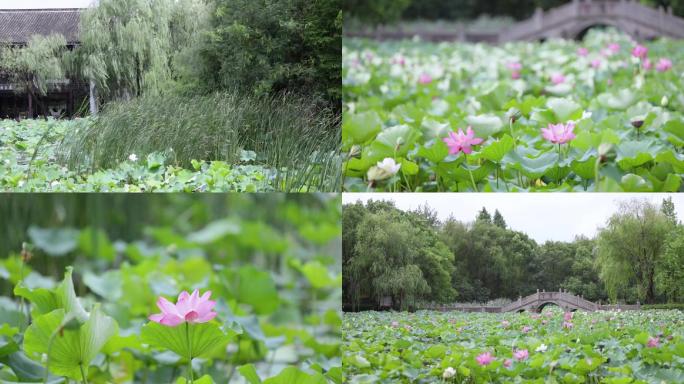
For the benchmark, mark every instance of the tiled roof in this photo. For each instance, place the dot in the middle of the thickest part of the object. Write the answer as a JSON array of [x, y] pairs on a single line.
[[18, 25]]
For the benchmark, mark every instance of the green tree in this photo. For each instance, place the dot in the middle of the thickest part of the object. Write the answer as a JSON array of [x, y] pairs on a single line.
[[499, 220], [670, 269], [630, 247], [272, 46], [375, 11], [129, 47], [484, 216], [668, 209], [385, 259], [33, 67]]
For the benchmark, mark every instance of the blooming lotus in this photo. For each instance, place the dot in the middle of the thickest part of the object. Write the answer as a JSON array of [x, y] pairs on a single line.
[[640, 51], [424, 79], [521, 354], [663, 65], [596, 63], [559, 133], [189, 308], [449, 373], [567, 325], [646, 64], [389, 165], [581, 51], [526, 329], [653, 342], [395, 324], [514, 66], [567, 316], [614, 48], [541, 348], [485, 358], [505, 324], [508, 363], [383, 169], [133, 157], [557, 78], [459, 141]]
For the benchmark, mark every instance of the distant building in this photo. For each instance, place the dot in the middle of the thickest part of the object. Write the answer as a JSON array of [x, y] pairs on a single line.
[[64, 97]]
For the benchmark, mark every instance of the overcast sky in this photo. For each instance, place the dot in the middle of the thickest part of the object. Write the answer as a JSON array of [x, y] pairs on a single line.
[[543, 216], [30, 4]]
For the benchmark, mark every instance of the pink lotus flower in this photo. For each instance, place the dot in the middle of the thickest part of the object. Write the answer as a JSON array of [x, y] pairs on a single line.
[[581, 51], [596, 63], [663, 65], [514, 66], [567, 316], [559, 133], [544, 322], [515, 75], [459, 141], [526, 329], [653, 342], [424, 78], [646, 64], [505, 324], [484, 358], [567, 325], [521, 354], [395, 324], [190, 308], [640, 51], [508, 363], [557, 78], [614, 47]]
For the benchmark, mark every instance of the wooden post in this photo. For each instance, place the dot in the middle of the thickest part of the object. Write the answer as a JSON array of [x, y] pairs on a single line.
[[30, 106], [93, 98]]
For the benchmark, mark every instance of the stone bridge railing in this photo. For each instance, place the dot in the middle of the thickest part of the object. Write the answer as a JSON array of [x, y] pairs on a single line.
[[536, 302], [567, 21], [571, 19]]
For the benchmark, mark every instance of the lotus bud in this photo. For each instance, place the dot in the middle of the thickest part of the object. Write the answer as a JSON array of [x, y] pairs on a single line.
[[664, 101]]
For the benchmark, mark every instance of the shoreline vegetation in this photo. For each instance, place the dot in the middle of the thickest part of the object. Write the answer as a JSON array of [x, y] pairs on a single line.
[[202, 84]]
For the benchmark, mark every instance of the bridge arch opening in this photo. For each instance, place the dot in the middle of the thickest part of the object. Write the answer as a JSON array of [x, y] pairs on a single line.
[[582, 33], [541, 307]]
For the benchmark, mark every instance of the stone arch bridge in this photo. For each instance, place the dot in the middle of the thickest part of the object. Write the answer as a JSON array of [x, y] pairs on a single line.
[[536, 302], [573, 19]]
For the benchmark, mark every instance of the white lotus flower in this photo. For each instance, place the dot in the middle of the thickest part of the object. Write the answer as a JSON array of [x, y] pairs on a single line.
[[541, 348], [449, 373], [133, 157], [389, 165], [383, 170]]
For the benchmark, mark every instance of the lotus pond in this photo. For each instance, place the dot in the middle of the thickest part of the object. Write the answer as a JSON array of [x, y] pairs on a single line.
[[612, 107], [552, 347], [237, 299], [31, 160]]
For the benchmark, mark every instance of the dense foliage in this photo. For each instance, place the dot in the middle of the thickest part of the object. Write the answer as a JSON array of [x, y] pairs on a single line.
[[645, 347], [35, 153], [269, 46], [411, 104], [270, 262], [382, 11], [412, 257]]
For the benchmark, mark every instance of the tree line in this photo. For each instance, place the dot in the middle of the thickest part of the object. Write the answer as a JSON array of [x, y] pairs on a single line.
[[413, 257], [388, 11]]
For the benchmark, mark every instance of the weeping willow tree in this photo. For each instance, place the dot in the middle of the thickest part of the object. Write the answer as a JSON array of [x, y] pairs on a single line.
[[385, 260], [131, 47], [630, 247], [32, 68]]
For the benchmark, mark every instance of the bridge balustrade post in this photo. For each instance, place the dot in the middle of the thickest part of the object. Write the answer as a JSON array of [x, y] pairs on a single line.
[[638, 305]]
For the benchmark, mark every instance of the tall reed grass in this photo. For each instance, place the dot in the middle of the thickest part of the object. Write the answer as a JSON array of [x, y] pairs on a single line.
[[289, 133]]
